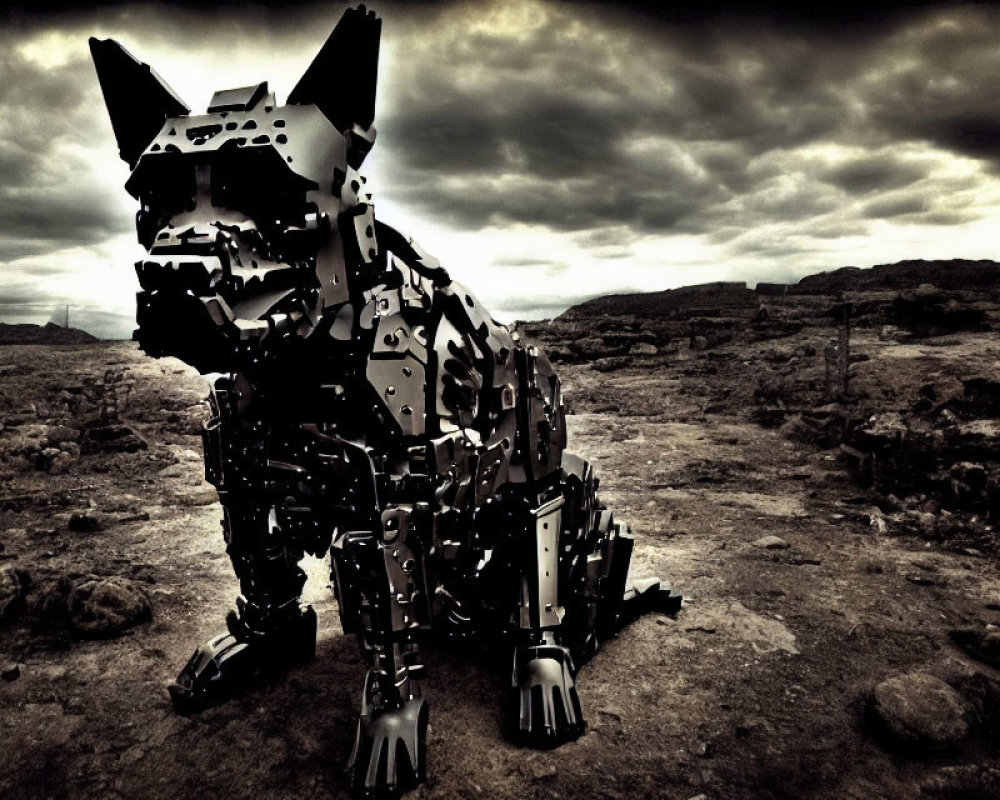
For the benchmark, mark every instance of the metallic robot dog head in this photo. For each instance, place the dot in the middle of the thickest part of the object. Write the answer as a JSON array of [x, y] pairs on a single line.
[[242, 208]]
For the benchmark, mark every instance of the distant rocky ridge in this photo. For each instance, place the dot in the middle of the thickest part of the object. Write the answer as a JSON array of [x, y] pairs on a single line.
[[685, 302], [50, 333], [954, 275], [920, 298]]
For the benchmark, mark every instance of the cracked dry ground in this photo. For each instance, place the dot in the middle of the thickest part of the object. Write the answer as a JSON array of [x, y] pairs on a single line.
[[756, 689]]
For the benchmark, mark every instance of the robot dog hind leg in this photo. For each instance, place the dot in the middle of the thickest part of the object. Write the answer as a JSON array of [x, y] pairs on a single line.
[[545, 706], [575, 595]]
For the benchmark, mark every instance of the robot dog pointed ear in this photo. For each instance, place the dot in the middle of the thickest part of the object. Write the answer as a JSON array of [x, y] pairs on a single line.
[[138, 100], [341, 80]]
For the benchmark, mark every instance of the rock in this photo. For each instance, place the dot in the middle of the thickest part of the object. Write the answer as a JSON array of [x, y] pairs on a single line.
[[180, 470], [926, 523], [590, 347], [539, 770], [57, 434], [14, 585], [44, 458], [105, 607], [968, 483], [982, 396], [880, 432], [941, 393], [947, 419], [610, 364], [128, 503], [202, 495], [85, 523], [643, 349], [796, 427], [920, 711], [771, 543], [61, 463], [107, 436], [11, 673], [980, 643]]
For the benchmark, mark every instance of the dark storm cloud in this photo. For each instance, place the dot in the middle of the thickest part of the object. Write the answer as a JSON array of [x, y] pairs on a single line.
[[825, 14], [895, 205], [69, 215], [19, 293], [674, 128], [875, 173], [942, 86], [46, 200]]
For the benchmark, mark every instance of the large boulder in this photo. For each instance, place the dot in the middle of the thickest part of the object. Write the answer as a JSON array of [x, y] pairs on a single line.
[[104, 607], [920, 712]]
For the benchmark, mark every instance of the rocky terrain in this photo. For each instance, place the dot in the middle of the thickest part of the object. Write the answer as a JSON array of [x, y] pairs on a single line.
[[814, 466]]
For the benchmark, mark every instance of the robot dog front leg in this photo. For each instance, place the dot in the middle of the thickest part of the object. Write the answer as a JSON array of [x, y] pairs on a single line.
[[543, 682], [381, 578], [272, 629]]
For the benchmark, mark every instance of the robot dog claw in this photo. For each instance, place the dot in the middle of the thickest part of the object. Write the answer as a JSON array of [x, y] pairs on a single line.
[[369, 407]]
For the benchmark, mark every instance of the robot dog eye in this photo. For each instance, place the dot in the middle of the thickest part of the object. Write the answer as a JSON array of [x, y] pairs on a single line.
[[261, 187], [173, 195]]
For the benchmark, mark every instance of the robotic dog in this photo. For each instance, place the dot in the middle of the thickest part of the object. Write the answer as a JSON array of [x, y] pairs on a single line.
[[369, 406]]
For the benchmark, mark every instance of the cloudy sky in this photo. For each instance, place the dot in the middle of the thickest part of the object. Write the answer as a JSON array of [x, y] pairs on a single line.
[[545, 151]]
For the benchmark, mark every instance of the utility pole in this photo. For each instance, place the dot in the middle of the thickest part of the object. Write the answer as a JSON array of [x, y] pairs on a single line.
[[67, 315]]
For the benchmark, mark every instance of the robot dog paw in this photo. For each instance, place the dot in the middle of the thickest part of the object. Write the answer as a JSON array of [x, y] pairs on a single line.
[[546, 702], [390, 750], [231, 661], [216, 669]]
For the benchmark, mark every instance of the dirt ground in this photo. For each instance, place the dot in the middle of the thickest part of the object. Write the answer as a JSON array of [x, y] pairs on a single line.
[[757, 689]]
